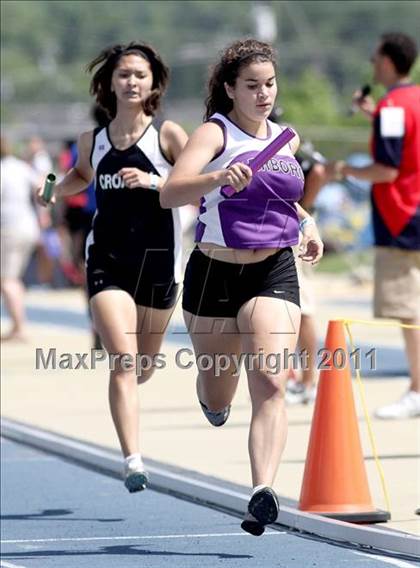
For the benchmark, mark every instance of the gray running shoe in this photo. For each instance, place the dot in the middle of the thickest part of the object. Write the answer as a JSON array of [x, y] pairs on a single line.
[[216, 418], [297, 393], [136, 479]]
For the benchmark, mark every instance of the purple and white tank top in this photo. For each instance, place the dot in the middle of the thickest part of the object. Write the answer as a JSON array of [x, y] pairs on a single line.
[[263, 215]]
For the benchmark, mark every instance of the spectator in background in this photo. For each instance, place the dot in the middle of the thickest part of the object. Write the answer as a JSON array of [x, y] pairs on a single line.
[[395, 175], [20, 234], [38, 157], [48, 249], [67, 155], [73, 230]]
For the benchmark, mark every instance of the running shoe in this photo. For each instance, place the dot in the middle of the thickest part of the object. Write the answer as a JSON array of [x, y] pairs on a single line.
[[407, 407], [297, 393], [264, 506], [136, 478], [216, 418], [252, 526]]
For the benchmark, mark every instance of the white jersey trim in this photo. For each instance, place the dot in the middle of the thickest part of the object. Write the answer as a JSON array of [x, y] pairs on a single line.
[[101, 147]]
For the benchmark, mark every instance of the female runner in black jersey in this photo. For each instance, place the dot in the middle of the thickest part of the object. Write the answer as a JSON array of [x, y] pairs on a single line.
[[133, 251]]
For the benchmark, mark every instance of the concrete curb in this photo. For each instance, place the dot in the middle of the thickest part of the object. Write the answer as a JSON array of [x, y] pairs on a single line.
[[205, 490]]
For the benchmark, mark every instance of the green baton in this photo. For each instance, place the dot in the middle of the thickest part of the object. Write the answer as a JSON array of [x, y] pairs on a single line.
[[49, 187]]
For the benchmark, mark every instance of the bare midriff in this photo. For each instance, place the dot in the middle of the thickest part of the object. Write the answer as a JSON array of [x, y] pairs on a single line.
[[235, 256]]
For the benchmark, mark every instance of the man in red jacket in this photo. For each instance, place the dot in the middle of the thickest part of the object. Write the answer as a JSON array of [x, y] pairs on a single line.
[[395, 175]]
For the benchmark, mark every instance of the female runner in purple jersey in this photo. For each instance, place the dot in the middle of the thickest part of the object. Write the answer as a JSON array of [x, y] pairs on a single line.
[[132, 291], [241, 294]]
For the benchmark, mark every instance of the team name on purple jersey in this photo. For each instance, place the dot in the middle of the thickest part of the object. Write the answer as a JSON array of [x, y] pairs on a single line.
[[264, 214]]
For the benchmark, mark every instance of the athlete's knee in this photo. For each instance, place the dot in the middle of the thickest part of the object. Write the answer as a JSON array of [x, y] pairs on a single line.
[[144, 375], [268, 384], [122, 365], [147, 364], [215, 394]]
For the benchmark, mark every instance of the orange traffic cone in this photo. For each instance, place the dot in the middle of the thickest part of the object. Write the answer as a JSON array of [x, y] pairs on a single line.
[[335, 482]]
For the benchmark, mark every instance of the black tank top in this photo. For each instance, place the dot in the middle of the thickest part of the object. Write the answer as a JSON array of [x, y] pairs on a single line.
[[131, 220]]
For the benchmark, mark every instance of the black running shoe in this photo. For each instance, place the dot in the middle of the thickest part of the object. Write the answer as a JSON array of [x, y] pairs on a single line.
[[252, 526], [264, 506], [216, 418]]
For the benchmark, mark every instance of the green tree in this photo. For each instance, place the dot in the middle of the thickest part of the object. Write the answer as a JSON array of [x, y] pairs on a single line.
[[309, 99]]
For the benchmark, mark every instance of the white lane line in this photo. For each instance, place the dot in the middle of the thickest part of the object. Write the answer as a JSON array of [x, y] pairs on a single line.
[[10, 565], [393, 561], [134, 537]]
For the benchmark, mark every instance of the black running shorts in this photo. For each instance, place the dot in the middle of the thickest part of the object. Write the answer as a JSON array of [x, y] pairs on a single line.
[[214, 288], [147, 278]]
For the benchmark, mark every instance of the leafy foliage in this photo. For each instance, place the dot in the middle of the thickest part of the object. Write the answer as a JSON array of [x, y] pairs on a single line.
[[323, 46]]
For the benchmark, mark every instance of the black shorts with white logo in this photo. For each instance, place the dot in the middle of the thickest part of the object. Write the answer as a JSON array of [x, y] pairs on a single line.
[[214, 288], [149, 282]]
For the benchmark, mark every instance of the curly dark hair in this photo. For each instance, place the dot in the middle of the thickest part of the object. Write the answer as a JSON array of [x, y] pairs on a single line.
[[238, 55], [100, 86], [401, 49]]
